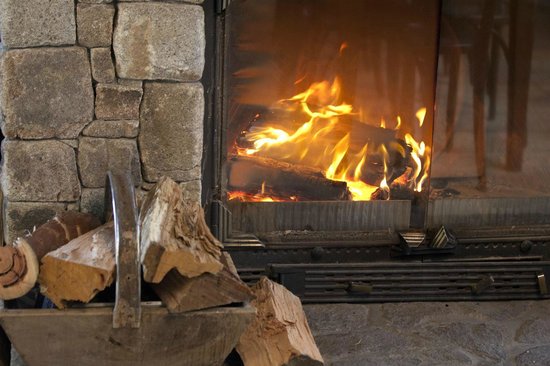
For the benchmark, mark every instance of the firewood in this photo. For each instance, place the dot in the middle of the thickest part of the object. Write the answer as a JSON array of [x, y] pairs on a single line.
[[19, 262], [181, 294], [174, 235], [252, 174], [280, 334], [80, 269], [58, 231]]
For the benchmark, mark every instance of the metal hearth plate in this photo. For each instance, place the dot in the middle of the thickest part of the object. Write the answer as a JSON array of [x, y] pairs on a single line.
[[261, 217], [414, 281]]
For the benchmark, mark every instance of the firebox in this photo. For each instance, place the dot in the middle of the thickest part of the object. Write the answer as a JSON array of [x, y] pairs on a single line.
[[368, 150]]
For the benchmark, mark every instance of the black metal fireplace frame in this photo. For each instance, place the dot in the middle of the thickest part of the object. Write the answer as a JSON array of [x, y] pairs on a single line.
[[484, 264]]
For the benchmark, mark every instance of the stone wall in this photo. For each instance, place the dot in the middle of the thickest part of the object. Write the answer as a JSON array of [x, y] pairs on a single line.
[[93, 85]]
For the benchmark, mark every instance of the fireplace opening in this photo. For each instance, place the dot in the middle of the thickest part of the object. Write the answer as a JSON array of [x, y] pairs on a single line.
[[327, 101], [395, 114], [385, 150]]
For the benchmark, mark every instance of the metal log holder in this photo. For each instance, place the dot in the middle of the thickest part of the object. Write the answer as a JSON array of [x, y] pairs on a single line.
[[128, 332]]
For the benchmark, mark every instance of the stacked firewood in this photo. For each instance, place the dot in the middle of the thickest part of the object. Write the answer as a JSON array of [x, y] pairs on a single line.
[[72, 258]]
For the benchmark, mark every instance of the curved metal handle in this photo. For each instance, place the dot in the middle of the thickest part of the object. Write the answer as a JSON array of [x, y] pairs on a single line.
[[120, 205]]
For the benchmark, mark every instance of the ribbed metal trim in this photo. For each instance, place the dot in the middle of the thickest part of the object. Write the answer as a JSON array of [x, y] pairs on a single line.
[[258, 217], [480, 212]]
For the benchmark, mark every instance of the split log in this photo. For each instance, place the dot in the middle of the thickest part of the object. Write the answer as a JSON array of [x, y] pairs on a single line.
[[174, 235], [250, 174], [19, 262], [280, 334], [80, 269], [181, 294]]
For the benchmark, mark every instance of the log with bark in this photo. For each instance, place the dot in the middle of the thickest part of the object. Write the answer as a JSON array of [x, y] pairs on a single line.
[[19, 262], [174, 235], [279, 335], [181, 294], [80, 269], [251, 174]]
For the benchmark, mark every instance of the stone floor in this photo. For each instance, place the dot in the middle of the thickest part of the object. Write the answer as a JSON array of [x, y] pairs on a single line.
[[430, 334], [466, 333]]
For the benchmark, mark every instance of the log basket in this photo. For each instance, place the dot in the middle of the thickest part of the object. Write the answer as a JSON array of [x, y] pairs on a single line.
[[128, 332]]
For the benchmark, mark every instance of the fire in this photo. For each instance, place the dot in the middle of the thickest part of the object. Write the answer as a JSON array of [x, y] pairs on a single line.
[[421, 115], [324, 140]]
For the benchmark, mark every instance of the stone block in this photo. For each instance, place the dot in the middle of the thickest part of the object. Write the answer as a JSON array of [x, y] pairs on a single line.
[[41, 171], [47, 92], [112, 129], [72, 143], [115, 101], [95, 24], [141, 47], [21, 217], [171, 131], [93, 201], [95, 1], [192, 190], [32, 23], [132, 83], [96, 156], [103, 68]]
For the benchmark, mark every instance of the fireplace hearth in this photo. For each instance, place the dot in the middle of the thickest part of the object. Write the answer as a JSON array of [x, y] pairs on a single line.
[[358, 157]]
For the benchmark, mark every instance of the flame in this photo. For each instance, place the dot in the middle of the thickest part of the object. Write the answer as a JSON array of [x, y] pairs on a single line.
[[384, 184], [421, 115], [324, 141], [259, 197], [420, 155], [343, 46], [398, 123]]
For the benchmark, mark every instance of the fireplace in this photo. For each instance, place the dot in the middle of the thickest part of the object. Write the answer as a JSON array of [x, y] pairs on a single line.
[[384, 151], [358, 150]]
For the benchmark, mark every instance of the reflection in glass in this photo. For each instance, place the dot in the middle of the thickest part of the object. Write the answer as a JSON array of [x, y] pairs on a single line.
[[491, 130]]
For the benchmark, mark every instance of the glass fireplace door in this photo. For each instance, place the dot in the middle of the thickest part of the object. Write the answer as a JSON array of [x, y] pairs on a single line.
[[366, 114], [490, 161], [329, 110]]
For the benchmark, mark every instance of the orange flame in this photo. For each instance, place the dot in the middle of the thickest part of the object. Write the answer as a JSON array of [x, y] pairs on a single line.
[[324, 142]]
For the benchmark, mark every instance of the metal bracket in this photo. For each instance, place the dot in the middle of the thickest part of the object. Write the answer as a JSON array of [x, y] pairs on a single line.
[[120, 204], [221, 5], [422, 243], [223, 229], [543, 287]]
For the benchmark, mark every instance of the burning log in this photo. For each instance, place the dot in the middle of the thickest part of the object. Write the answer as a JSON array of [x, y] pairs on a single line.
[[251, 174], [174, 235], [280, 334], [396, 191], [19, 262], [80, 269], [181, 294]]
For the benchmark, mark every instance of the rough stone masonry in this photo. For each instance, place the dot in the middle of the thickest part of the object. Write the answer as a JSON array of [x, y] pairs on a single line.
[[93, 85]]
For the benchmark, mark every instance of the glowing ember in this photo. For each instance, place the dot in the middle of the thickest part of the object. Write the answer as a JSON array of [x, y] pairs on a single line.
[[325, 139]]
